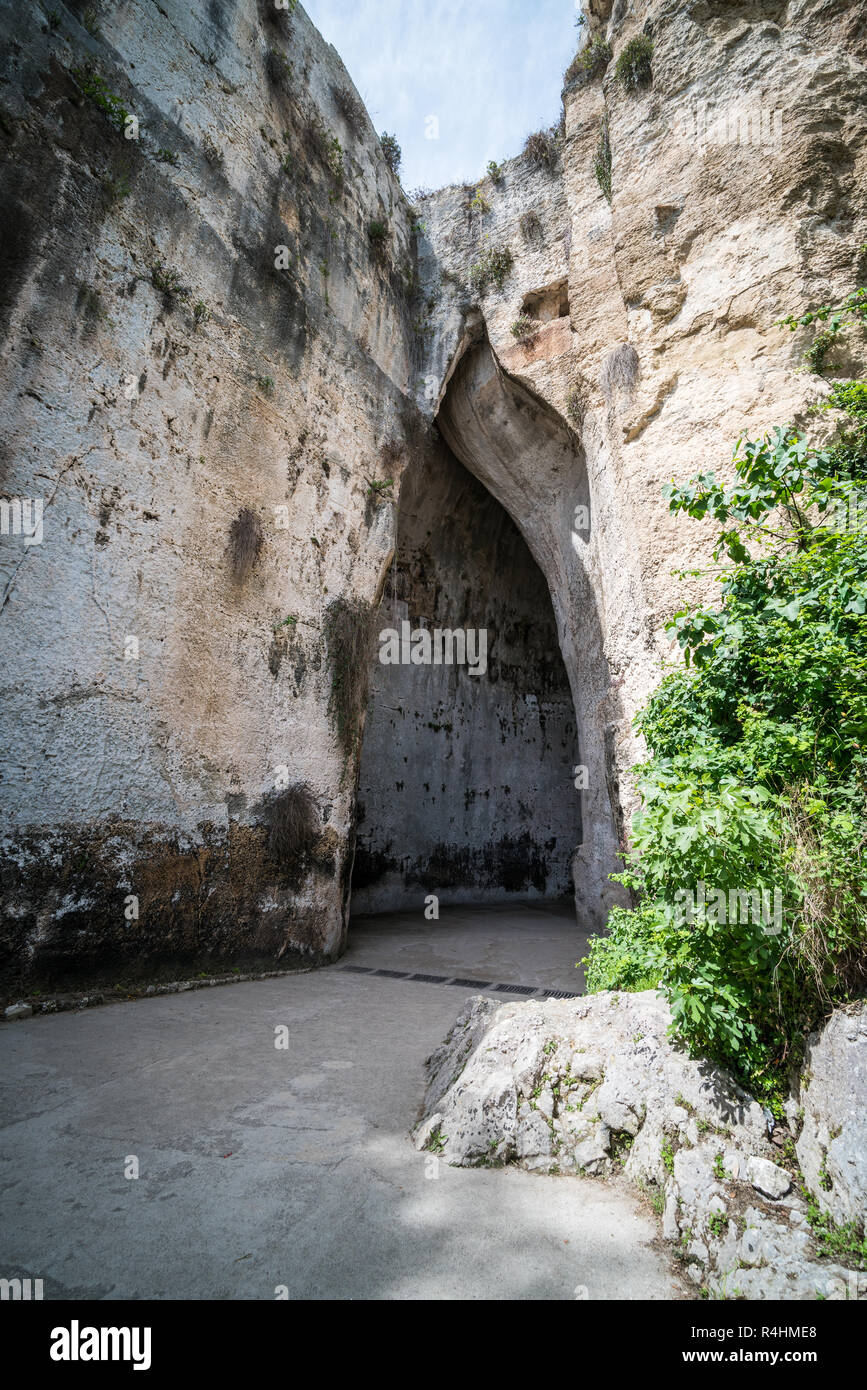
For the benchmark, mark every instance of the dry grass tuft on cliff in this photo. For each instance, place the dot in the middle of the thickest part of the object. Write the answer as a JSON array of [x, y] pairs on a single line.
[[292, 817], [246, 539], [351, 108], [619, 370], [540, 149], [349, 629]]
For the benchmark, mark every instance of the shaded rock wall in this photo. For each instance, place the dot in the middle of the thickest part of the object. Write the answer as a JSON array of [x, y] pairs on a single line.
[[465, 779]]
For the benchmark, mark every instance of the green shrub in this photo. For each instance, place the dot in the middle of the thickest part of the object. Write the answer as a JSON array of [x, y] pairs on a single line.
[[602, 164], [492, 268], [590, 63], [525, 329], [495, 173], [838, 317], [391, 152], [96, 90], [168, 282], [634, 66], [630, 957], [758, 763]]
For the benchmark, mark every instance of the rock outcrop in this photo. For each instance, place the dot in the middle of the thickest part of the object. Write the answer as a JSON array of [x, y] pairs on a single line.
[[594, 1086], [832, 1145]]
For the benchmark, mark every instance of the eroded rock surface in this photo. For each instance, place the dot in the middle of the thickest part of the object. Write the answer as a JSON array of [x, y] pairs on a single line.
[[594, 1086], [832, 1145]]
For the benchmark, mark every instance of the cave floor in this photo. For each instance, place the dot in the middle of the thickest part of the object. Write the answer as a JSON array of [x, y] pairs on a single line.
[[261, 1167]]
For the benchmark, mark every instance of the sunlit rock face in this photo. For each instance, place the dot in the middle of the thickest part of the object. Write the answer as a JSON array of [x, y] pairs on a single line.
[[224, 335]]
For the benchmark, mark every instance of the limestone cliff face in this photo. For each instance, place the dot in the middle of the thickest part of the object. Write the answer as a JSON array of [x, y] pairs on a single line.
[[221, 335], [155, 696], [736, 195]]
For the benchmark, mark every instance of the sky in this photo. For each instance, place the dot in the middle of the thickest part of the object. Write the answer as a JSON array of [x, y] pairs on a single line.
[[478, 76]]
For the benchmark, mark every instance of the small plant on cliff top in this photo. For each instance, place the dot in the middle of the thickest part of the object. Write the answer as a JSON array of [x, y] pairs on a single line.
[[590, 63], [391, 152], [540, 149], [634, 63], [495, 173]]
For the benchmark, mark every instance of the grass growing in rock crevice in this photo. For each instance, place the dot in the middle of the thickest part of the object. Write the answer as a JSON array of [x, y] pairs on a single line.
[[349, 632]]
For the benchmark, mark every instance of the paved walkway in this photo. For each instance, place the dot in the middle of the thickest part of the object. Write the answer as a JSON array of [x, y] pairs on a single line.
[[261, 1167]]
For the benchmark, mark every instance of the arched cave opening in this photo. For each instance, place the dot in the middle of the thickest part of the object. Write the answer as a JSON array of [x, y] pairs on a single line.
[[465, 784]]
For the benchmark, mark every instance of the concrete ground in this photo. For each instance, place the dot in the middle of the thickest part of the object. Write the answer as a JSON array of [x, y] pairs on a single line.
[[262, 1167]]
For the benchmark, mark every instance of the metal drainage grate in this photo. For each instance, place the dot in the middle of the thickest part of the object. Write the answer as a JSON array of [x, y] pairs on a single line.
[[471, 984], [559, 994], [358, 969], [393, 974], [430, 979], [515, 989]]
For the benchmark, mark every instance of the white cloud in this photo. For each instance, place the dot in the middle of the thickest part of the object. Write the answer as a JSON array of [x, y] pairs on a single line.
[[490, 71]]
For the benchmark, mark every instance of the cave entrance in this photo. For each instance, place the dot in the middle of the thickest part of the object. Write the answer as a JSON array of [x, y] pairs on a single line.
[[465, 785]]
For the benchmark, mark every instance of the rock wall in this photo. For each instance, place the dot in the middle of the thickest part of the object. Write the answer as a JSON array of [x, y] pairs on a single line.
[[220, 332], [163, 375]]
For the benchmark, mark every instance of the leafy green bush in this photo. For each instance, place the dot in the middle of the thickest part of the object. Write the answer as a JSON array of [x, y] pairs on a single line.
[[630, 957], [755, 792], [633, 66]]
